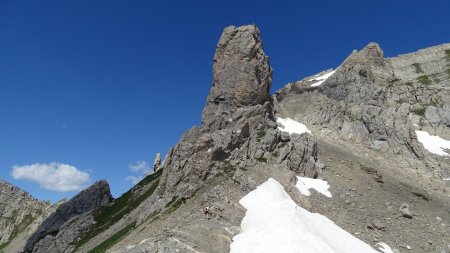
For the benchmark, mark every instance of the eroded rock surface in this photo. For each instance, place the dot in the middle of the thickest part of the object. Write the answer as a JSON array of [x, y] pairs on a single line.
[[18, 211], [95, 196], [241, 75]]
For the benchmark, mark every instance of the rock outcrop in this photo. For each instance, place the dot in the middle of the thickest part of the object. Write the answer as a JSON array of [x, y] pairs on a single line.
[[238, 134], [18, 210], [241, 75], [157, 162], [95, 196], [377, 101]]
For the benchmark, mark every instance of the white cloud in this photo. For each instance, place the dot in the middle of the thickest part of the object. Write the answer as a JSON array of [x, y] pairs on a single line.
[[52, 176], [141, 169], [133, 179]]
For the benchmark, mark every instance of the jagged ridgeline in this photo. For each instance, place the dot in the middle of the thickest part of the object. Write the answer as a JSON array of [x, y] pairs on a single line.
[[361, 125]]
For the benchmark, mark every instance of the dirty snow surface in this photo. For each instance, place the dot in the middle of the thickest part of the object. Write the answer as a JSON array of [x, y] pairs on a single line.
[[274, 223], [292, 127], [433, 143], [321, 79], [306, 183]]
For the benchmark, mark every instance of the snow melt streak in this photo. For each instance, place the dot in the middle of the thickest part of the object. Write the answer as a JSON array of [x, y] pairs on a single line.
[[292, 127], [274, 223], [321, 79], [433, 143], [306, 183]]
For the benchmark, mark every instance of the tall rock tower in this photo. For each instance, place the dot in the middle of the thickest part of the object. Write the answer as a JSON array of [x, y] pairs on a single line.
[[241, 75]]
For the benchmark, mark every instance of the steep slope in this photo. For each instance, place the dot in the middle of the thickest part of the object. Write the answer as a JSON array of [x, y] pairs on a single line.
[[41, 227], [18, 213], [56, 233], [238, 134], [363, 142]]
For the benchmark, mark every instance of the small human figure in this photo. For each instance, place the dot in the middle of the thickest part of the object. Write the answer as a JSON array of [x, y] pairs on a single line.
[[206, 212]]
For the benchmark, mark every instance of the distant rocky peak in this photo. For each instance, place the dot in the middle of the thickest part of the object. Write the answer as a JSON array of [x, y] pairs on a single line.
[[241, 75], [372, 51], [365, 68], [98, 194]]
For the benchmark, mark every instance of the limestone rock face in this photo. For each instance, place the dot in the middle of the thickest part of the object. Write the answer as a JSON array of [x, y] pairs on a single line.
[[95, 196], [241, 74], [238, 129], [379, 102], [18, 210]]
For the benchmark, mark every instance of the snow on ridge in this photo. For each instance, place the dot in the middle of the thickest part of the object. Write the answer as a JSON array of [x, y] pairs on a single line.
[[275, 223], [320, 79], [305, 183], [292, 127], [433, 143]]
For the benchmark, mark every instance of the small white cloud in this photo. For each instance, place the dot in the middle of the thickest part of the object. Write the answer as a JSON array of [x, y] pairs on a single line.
[[133, 179], [141, 169], [53, 176]]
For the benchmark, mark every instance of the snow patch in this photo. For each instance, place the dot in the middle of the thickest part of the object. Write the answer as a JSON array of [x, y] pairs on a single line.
[[275, 223], [383, 247], [306, 183], [433, 143], [292, 127], [447, 179], [321, 79]]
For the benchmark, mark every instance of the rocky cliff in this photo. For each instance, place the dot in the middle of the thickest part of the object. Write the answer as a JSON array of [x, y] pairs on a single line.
[[51, 235], [18, 211]]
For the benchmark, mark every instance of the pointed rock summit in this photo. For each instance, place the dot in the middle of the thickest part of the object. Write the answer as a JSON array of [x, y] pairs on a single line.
[[241, 74]]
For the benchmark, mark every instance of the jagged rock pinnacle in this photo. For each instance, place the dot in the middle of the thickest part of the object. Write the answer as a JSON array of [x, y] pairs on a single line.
[[241, 74]]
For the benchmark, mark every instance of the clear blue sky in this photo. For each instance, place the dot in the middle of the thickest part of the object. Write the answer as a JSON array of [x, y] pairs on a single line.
[[100, 85]]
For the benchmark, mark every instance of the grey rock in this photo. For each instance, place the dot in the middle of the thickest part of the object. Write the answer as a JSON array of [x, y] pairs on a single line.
[[157, 162], [19, 214], [95, 196], [241, 75], [404, 209], [378, 224]]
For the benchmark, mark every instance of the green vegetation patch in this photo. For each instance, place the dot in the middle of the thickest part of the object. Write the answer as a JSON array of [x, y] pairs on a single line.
[[27, 220], [106, 216], [174, 205], [262, 159], [276, 154], [111, 241], [260, 135], [417, 67], [425, 80], [420, 111], [3, 245], [448, 72], [228, 168], [447, 54], [282, 145]]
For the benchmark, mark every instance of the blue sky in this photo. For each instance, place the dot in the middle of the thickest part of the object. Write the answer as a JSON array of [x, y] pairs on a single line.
[[97, 86]]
